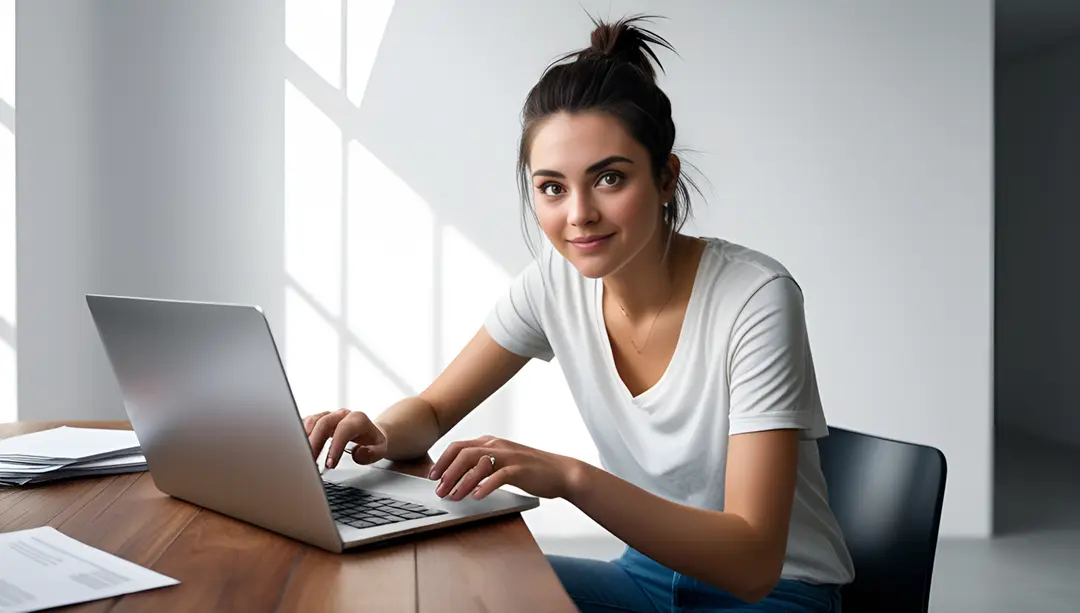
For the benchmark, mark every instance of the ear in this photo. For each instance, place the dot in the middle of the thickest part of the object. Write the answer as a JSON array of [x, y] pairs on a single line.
[[669, 178]]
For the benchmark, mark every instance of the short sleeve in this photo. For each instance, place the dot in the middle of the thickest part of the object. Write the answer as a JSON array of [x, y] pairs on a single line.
[[516, 321], [771, 374]]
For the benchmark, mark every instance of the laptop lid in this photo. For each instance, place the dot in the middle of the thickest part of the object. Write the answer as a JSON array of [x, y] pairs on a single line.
[[205, 389]]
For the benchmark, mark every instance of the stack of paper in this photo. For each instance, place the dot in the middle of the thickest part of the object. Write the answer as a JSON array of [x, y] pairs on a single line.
[[65, 452]]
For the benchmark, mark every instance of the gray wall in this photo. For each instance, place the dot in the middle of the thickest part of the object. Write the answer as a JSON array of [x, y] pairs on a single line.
[[1037, 354], [149, 163], [8, 323]]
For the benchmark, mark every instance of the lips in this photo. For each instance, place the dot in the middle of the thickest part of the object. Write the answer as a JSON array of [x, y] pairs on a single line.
[[590, 240]]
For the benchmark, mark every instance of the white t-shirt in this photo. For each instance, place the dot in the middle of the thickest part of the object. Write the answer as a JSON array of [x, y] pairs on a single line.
[[742, 363]]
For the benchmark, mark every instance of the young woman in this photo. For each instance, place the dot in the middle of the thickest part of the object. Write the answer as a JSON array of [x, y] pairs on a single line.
[[687, 357]]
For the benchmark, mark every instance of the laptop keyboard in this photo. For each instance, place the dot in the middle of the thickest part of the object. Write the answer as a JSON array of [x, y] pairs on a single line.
[[362, 509]]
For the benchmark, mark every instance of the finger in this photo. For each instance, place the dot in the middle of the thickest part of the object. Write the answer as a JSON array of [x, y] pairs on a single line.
[[451, 454], [311, 420], [471, 478], [369, 454], [462, 463], [354, 427], [501, 477], [324, 429]]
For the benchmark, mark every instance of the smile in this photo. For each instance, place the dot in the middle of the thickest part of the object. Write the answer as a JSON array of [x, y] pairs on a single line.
[[591, 243]]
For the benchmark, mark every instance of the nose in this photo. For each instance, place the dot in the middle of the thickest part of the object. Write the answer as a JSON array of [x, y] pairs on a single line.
[[582, 211]]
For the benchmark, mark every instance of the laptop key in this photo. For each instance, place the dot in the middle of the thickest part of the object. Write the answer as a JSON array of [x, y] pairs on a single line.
[[356, 523], [353, 504]]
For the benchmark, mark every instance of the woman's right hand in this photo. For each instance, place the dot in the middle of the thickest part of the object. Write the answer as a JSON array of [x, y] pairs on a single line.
[[344, 426]]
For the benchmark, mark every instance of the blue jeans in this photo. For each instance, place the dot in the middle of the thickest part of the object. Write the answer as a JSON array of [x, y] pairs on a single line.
[[636, 583]]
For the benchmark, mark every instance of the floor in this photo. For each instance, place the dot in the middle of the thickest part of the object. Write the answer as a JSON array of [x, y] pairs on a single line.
[[1031, 566]]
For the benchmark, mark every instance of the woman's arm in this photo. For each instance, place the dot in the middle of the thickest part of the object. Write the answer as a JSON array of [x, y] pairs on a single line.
[[407, 429], [413, 425], [740, 550]]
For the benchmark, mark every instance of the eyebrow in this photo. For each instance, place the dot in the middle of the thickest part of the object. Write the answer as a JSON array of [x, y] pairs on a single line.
[[604, 163]]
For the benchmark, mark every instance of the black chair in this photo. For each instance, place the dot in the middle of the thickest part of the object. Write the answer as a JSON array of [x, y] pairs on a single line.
[[887, 497]]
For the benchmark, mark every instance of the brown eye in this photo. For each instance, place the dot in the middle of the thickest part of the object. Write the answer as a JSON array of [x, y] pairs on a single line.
[[610, 179], [551, 189]]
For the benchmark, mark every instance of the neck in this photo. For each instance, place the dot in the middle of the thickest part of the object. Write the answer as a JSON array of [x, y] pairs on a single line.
[[645, 283]]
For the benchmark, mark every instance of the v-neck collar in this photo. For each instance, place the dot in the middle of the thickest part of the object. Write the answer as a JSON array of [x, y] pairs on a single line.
[[688, 328]]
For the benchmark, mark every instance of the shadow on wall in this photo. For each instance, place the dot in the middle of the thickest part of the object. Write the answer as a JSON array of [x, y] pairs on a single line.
[[393, 261], [366, 256]]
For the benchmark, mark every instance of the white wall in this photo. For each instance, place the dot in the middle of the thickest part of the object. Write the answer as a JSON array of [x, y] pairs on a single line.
[[849, 139], [852, 140], [150, 156], [1038, 220]]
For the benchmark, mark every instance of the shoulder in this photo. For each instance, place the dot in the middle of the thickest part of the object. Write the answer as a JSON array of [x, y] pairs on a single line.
[[736, 270]]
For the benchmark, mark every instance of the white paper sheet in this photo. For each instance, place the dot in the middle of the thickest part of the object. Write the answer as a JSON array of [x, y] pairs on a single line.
[[119, 461], [44, 568], [69, 444], [20, 474], [18, 468]]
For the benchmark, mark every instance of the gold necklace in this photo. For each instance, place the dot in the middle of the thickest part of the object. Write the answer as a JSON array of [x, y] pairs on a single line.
[[648, 335]]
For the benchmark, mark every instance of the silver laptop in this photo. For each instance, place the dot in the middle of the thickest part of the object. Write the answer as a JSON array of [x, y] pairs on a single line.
[[205, 389]]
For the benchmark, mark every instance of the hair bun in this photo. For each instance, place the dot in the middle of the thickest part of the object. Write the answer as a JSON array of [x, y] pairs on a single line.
[[625, 41]]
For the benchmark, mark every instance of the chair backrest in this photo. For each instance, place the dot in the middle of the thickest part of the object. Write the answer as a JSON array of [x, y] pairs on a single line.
[[887, 496]]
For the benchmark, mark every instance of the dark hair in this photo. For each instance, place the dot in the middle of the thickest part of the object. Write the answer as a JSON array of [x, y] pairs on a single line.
[[614, 75]]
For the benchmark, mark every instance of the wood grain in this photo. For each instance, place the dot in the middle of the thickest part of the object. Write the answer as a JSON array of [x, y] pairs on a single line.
[[381, 580], [223, 565], [137, 525], [490, 566], [228, 565], [132, 520], [39, 505]]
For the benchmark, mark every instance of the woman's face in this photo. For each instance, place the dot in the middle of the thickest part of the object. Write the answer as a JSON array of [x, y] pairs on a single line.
[[596, 197]]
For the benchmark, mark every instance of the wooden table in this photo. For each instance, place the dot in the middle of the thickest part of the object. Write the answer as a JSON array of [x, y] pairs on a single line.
[[227, 565]]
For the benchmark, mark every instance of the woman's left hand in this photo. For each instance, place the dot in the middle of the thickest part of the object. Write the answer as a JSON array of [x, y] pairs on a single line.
[[468, 464]]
